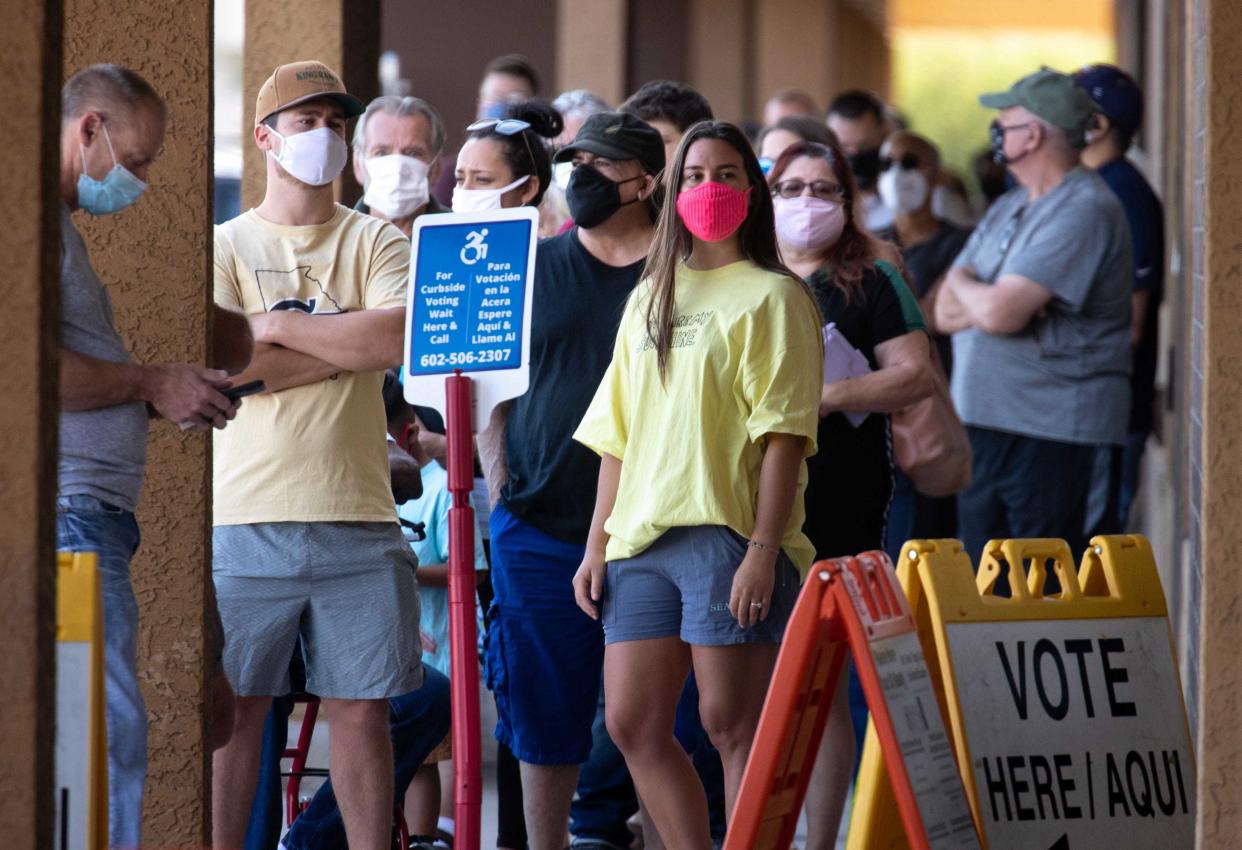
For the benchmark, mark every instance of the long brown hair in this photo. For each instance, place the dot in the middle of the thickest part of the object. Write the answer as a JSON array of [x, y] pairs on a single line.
[[672, 244], [847, 259]]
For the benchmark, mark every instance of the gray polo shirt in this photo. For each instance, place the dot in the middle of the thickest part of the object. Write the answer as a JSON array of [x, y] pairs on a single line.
[[103, 451], [1065, 376]]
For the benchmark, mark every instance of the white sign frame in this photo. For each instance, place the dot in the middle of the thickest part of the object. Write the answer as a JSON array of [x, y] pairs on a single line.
[[491, 386]]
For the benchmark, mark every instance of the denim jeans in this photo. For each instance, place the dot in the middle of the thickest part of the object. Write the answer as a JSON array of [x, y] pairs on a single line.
[[86, 524], [418, 722], [1024, 487]]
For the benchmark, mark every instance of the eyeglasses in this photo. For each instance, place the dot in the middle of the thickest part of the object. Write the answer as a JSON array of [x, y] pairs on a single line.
[[908, 162], [821, 189], [505, 127], [997, 131]]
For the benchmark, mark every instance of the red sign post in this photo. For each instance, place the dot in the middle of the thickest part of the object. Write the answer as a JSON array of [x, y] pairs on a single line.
[[463, 632], [468, 309]]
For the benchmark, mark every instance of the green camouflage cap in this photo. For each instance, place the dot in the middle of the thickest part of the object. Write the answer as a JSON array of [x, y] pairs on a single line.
[[1051, 95]]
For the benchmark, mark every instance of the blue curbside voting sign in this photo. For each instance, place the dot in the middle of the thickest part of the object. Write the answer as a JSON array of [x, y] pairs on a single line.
[[469, 305]]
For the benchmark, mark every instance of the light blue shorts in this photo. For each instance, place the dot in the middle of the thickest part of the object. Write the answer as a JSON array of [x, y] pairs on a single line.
[[345, 589], [680, 586]]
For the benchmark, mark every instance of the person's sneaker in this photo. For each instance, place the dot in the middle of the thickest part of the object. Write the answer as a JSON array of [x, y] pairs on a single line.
[[429, 842]]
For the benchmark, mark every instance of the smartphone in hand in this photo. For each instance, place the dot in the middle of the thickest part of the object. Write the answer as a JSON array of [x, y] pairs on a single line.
[[243, 390]]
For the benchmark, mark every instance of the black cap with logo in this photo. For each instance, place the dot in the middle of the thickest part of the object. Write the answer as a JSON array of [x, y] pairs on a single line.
[[618, 135]]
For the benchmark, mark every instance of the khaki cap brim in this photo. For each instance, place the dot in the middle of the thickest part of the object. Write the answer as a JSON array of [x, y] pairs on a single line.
[[353, 106]]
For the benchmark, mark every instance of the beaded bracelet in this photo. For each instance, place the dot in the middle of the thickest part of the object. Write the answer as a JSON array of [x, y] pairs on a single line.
[[762, 547]]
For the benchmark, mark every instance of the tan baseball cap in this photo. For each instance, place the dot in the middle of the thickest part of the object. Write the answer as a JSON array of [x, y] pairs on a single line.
[[296, 82]]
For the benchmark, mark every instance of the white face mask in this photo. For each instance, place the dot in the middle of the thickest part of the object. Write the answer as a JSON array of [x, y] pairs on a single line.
[[316, 157], [396, 185], [903, 190], [560, 174], [481, 200]]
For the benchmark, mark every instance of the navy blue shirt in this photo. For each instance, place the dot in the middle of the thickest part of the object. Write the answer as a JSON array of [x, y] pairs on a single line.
[[1145, 215], [578, 305]]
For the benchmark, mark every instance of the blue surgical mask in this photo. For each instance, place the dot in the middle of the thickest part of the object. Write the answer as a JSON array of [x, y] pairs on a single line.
[[118, 190], [496, 109]]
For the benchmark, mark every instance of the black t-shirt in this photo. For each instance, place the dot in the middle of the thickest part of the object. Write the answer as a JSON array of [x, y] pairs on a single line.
[[851, 477], [578, 306], [925, 263]]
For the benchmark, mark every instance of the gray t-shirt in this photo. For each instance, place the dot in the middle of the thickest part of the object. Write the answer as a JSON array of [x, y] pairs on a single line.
[[1065, 376], [102, 451]]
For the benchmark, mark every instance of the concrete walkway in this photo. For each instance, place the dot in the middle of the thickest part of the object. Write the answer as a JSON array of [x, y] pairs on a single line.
[[319, 757]]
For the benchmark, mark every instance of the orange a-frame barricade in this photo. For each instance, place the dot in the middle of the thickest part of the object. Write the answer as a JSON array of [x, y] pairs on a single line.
[[852, 607]]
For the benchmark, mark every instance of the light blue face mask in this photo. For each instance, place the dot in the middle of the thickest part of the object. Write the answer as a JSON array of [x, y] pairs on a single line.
[[118, 190]]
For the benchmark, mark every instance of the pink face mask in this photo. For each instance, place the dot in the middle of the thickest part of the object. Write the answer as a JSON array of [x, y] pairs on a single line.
[[808, 223], [713, 211]]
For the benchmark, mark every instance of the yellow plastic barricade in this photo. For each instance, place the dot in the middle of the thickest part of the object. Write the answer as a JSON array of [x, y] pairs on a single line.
[[81, 737], [1065, 709]]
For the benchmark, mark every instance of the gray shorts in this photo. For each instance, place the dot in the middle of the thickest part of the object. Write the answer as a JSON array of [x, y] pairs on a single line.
[[680, 586], [346, 589]]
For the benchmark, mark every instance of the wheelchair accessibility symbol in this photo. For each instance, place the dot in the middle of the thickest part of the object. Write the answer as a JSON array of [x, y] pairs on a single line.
[[475, 248]]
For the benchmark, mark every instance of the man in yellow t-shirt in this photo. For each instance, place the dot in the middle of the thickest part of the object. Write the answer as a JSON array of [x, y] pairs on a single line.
[[306, 542]]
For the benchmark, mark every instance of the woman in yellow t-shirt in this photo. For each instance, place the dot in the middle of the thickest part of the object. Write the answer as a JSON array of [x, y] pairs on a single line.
[[703, 420]]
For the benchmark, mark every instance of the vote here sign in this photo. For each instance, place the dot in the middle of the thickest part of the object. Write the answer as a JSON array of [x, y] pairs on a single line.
[[1076, 733], [469, 306]]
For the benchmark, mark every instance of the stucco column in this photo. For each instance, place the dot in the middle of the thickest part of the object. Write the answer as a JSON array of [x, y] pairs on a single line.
[[720, 55], [591, 47], [156, 262], [30, 244], [796, 46], [344, 34], [1216, 114]]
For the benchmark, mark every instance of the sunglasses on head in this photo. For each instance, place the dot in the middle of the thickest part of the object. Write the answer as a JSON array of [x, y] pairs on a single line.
[[503, 126], [506, 127], [908, 162]]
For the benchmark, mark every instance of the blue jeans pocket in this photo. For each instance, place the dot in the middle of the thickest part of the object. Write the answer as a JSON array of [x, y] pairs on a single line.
[[82, 503]]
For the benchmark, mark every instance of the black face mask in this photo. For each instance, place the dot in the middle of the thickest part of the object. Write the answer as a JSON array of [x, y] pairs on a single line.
[[593, 198], [866, 168], [996, 135]]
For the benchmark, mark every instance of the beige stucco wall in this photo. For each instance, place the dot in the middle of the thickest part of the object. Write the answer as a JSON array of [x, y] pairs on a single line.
[[30, 245], [1216, 29], [718, 51], [155, 259], [591, 46], [740, 54]]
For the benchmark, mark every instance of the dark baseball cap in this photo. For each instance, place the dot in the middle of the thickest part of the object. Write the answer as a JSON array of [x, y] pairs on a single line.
[[1115, 93], [618, 135], [1051, 95]]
